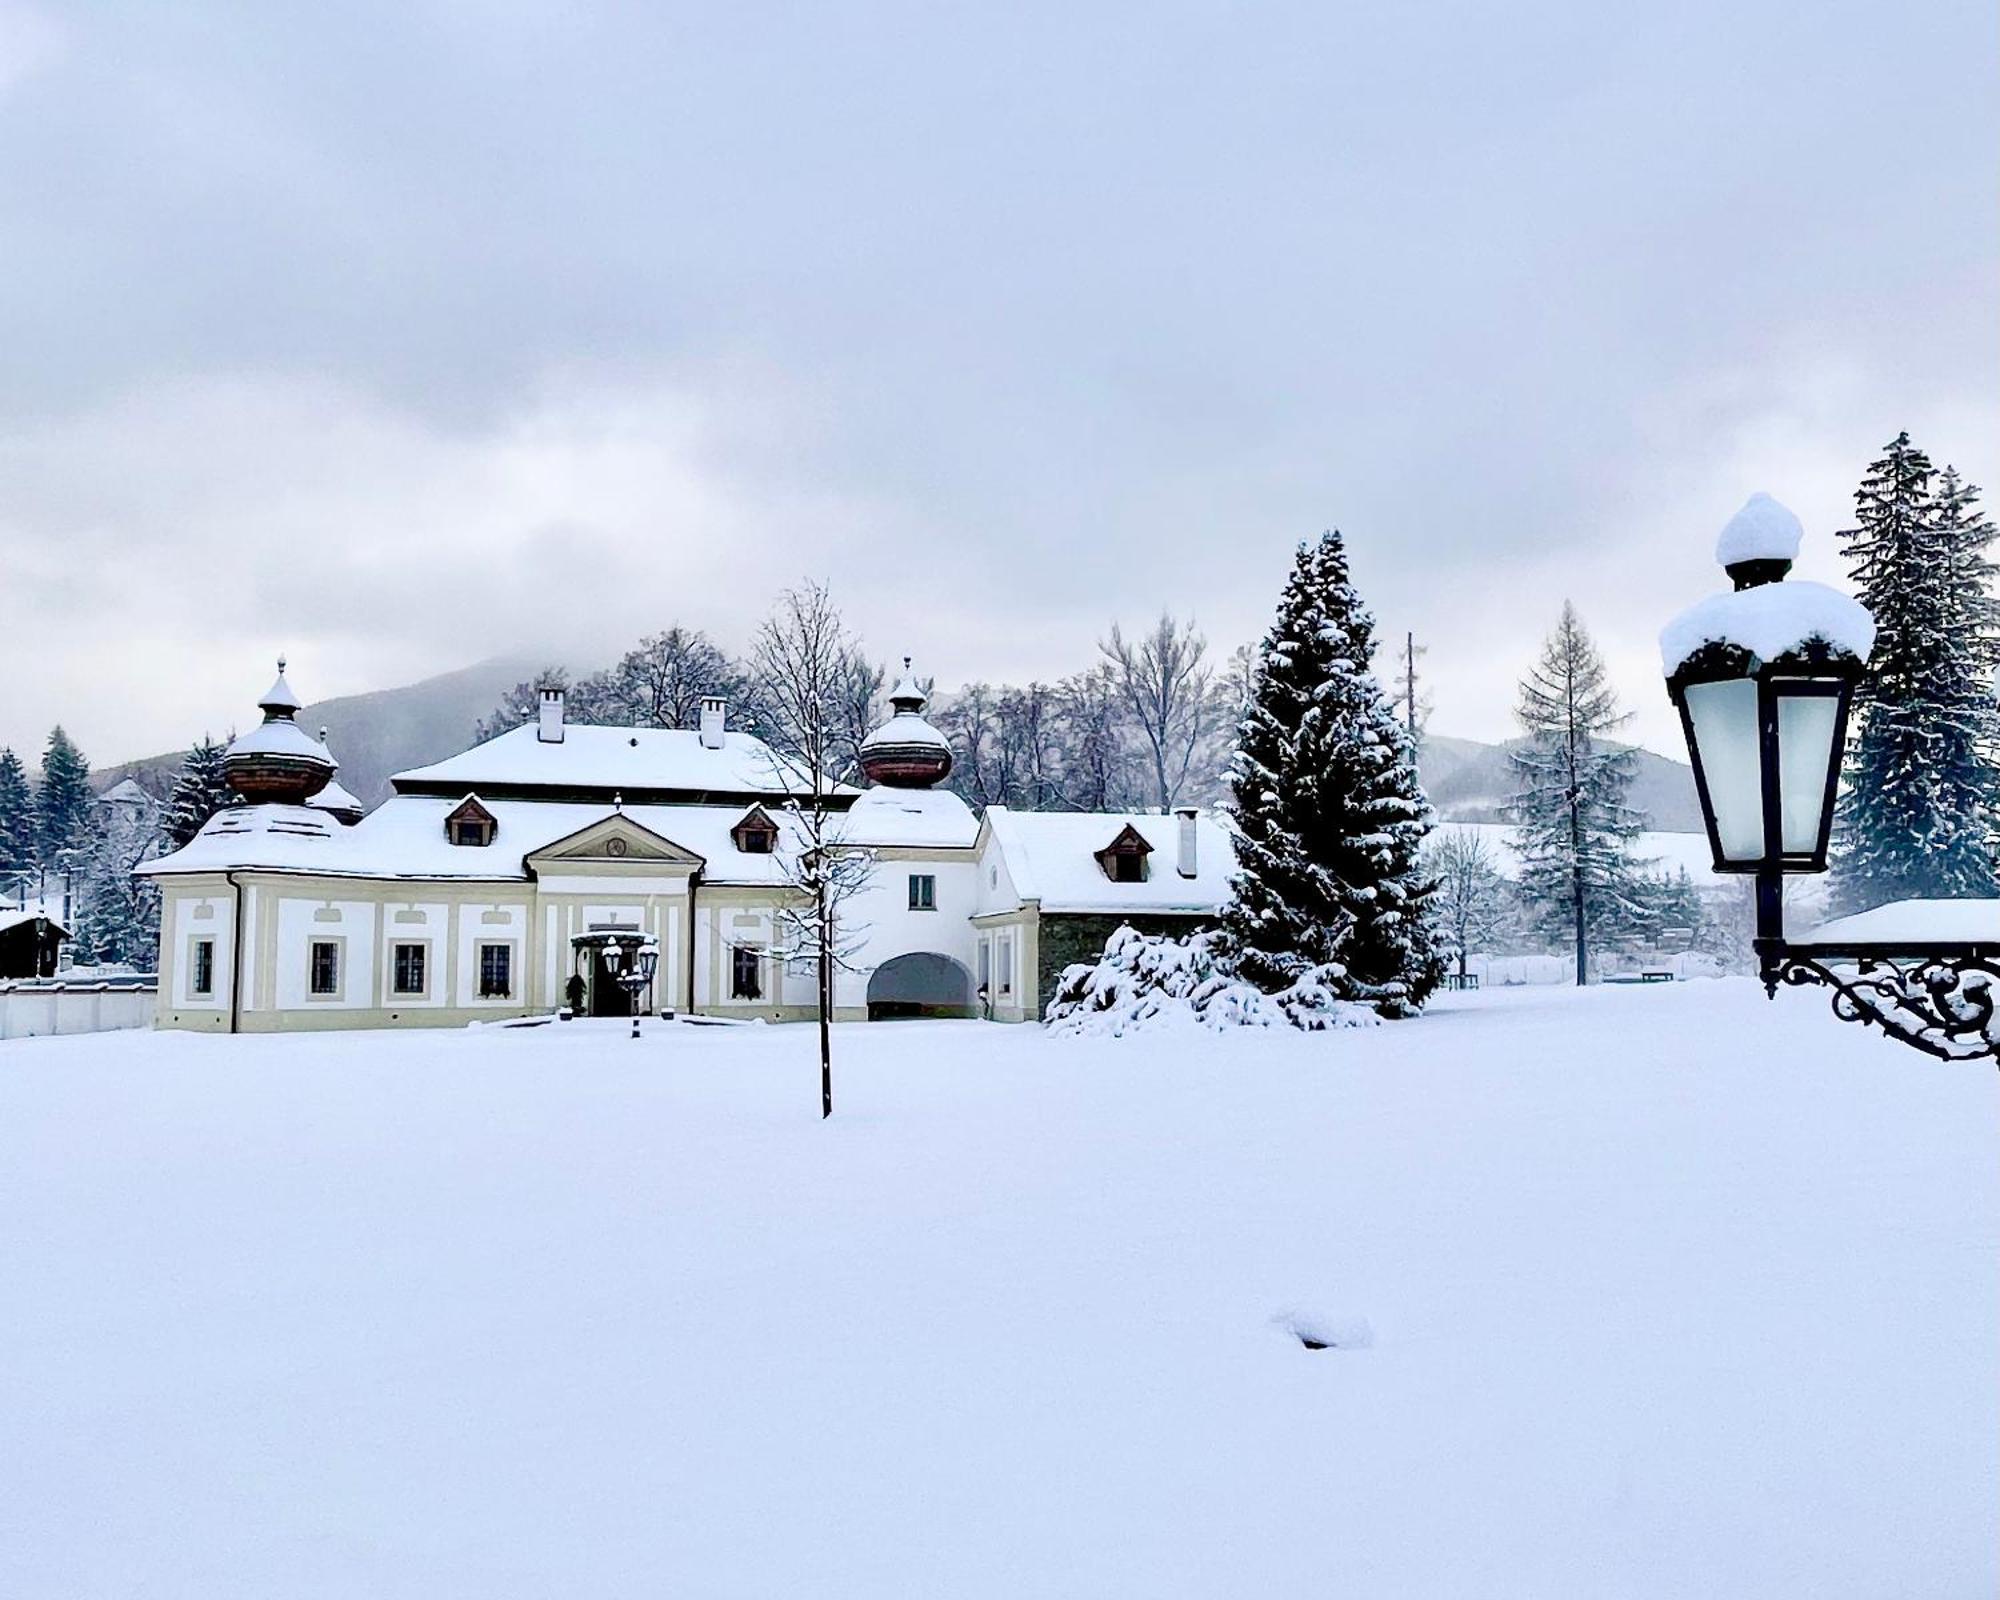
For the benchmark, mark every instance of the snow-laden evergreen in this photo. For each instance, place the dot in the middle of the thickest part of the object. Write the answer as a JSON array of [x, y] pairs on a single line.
[[1329, 813], [118, 915], [62, 800], [200, 790], [1918, 807], [1147, 982], [17, 819], [1578, 879]]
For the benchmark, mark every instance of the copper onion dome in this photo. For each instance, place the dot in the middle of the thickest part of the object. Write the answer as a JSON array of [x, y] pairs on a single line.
[[278, 762], [906, 752]]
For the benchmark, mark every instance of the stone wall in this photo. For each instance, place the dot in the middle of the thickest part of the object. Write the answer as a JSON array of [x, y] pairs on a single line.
[[1068, 937]]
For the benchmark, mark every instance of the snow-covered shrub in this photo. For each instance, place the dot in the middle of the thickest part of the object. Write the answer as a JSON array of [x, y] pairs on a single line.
[[1146, 981]]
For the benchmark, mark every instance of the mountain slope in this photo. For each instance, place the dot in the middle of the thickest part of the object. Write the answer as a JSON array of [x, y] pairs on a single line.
[[381, 732], [1470, 782]]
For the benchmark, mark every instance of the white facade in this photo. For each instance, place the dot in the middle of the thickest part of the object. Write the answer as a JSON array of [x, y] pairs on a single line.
[[489, 884]]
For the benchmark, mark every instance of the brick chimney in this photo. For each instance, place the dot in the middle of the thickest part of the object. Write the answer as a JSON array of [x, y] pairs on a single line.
[[713, 710], [1186, 863], [550, 729]]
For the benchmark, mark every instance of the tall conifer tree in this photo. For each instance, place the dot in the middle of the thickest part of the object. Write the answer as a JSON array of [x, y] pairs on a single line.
[[1577, 877], [1330, 817], [17, 819], [200, 790], [1918, 808], [63, 801]]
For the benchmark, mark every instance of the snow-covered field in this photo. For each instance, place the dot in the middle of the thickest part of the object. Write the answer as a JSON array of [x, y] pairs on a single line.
[[1637, 1292]]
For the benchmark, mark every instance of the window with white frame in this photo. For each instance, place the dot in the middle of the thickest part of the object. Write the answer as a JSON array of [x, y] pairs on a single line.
[[745, 975], [923, 891], [201, 977], [324, 967], [1004, 958]]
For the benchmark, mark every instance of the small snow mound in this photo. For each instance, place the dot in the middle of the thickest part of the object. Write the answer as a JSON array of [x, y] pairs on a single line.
[[1147, 983], [1763, 530], [1324, 1330]]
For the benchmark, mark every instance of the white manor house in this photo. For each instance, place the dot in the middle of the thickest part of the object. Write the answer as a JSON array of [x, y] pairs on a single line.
[[512, 878]]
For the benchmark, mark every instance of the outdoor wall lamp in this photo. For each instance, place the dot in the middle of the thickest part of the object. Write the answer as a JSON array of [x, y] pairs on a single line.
[[1763, 678]]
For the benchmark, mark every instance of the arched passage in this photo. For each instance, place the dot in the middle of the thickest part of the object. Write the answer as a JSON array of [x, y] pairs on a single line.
[[921, 984]]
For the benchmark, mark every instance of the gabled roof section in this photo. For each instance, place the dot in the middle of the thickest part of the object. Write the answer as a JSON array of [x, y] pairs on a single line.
[[755, 820], [1129, 841], [1053, 859], [648, 766], [471, 810], [612, 840]]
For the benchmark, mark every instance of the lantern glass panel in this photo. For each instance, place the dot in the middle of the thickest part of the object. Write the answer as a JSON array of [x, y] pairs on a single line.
[[1805, 758], [1724, 718]]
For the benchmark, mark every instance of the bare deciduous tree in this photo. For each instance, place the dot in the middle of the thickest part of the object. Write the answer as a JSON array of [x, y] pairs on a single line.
[[661, 683], [1470, 907], [804, 665], [1164, 679]]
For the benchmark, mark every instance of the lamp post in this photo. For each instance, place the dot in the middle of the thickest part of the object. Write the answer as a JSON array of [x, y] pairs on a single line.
[[632, 966], [1763, 678]]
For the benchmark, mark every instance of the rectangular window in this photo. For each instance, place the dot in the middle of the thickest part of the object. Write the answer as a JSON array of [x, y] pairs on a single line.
[[325, 967], [409, 976], [923, 891], [202, 980], [986, 964], [1128, 869], [496, 971], [1005, 958], [745, 979]]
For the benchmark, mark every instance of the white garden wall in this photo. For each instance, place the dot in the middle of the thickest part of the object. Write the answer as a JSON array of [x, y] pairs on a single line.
[[36, 1010]]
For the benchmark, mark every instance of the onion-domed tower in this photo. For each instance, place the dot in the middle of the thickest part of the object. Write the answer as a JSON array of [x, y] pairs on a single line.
[[906, 752], [278, 762]]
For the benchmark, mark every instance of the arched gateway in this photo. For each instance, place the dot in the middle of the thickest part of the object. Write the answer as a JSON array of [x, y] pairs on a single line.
[[921, 984]]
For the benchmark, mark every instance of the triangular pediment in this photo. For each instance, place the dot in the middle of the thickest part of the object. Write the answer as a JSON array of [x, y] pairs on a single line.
[[613, 841]]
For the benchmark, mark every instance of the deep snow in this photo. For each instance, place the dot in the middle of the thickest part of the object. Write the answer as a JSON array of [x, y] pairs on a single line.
[[1659, 1291]]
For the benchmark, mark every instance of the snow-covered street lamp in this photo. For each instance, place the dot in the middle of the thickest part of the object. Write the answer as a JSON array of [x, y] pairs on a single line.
[[1763, 677], [632, 966]]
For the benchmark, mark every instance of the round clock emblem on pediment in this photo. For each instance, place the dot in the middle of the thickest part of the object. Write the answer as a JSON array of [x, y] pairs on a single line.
[[615, 847]]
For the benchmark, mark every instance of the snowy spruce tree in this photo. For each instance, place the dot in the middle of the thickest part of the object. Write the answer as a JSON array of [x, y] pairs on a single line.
[[200, 790], [1329, 814], [17, 820], [63, 800], [1578, 879], [118, 915], [1921, 797]]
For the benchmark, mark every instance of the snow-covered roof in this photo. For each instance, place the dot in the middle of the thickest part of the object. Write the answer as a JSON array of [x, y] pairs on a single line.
[[614, 759], [1914, 922], [404, 837], [287, 838], [336, 796], [1052, 858], [280, 696], [126, 792], [905, 727], [1762, 531], [1770, 620], [888, 816], [280, 737], [14, 916]]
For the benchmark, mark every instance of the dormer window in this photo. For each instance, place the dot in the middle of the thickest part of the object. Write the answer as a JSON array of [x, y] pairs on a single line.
[[1124, 858], [471, 824], [756, 834]]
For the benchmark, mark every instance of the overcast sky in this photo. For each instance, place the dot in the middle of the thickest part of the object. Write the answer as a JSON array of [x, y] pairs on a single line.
[[398, 336]]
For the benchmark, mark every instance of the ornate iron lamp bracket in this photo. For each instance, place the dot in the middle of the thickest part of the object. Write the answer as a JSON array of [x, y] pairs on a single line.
[[1939, 998]]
